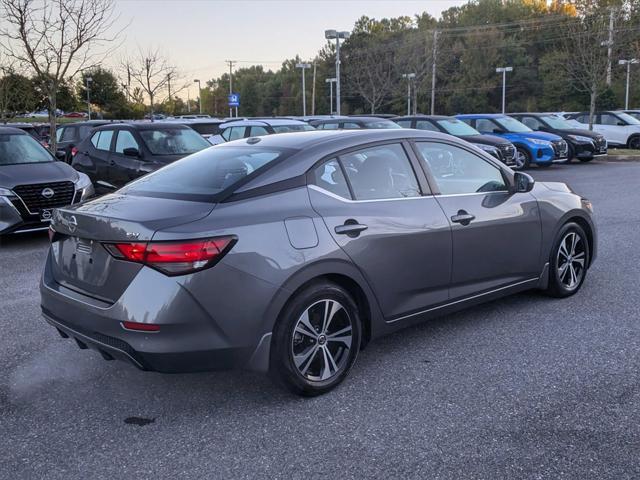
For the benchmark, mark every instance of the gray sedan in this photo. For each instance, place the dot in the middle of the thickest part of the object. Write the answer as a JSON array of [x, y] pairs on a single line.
[[288, 253]]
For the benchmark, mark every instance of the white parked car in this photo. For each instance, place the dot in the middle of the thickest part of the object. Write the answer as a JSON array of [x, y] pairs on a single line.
[[619, 128], [236, 129]]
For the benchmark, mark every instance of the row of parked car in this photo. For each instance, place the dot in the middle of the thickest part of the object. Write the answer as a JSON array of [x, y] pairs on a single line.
[[106, 155]]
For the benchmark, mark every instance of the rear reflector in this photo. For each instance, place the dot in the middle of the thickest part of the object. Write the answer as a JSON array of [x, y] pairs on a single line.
[[141, 327], [174, 258], [74, 150]]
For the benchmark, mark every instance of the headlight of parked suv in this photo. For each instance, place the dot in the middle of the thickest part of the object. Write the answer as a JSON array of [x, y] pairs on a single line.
[[6, 193], [84, 184], [540, 142], [487, 148], [580, 138]]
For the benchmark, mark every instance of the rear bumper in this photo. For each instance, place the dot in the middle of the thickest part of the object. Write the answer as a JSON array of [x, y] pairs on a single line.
[[192, 337]]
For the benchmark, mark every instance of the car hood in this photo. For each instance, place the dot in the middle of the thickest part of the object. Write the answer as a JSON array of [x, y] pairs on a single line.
[[27, 173], [549, 137], [485, 139], [578, 131]]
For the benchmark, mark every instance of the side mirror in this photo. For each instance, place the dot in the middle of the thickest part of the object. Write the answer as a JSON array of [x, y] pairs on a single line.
[[622, 124], [523, 182], [131, 152], [61, 155]]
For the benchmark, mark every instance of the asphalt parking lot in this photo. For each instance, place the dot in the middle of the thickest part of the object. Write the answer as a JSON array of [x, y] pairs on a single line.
[[525, 387]]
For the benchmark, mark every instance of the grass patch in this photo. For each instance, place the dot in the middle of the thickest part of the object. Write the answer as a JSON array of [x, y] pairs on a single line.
[[624, 152], [60, 120]]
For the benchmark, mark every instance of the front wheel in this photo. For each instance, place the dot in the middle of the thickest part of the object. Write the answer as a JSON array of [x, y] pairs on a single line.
[[316, 340], [634, 143], [523, 159], [569, 261]]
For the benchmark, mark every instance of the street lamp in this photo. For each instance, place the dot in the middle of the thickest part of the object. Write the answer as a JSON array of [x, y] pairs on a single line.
[[331, 35], [199, 94], [330, 81], [503, 71], [628, 63], [303, 66], [410, 77], [88, 80]]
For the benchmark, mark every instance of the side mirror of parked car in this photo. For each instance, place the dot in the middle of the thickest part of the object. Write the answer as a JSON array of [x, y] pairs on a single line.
[[523, 182], [131, 152], [61, 155], [622, 124]]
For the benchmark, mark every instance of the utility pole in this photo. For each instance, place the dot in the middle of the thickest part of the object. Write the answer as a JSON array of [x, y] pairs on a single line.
[[433, 72], [503, 71], [313, 91], [88, 80], [330, 81], [612, 13], [628, 63], [331, 35], [169, 88], [231, 64], [304, 66], [199, 94], [409, 77], [188, 102]]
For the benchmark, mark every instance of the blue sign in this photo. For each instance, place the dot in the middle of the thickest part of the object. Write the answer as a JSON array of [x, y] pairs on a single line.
[[234, 100]]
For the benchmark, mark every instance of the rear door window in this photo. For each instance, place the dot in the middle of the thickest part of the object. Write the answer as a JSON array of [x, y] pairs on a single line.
[[258, 131], [124, 140], [426, 125], [102, 140], [329, 176]]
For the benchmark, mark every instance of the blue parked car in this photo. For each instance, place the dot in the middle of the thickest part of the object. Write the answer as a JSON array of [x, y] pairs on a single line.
[[540, 148]]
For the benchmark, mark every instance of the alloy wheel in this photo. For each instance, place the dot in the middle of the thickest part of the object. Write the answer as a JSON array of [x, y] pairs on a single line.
[[570, 261], [322, 340], [520, 159]]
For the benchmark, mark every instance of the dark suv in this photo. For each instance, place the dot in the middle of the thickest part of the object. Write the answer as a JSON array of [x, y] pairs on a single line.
[[115, 154], [33, 183], [71, 134], [497, 147], [584, 145]]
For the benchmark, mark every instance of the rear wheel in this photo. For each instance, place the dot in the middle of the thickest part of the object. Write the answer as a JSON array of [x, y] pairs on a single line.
[[523, 158], [316, 340], [634, 142], [569, 261]]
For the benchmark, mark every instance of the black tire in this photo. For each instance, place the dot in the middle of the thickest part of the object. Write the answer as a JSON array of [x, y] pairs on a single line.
[[289, 338], [587, 159], [571, 153], [523, 158], [560, 283], [634, 142], [545, 165]]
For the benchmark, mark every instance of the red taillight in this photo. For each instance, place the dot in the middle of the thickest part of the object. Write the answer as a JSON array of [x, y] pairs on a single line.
[[141, 327], [174, 258], [74, 150], [52, 233]]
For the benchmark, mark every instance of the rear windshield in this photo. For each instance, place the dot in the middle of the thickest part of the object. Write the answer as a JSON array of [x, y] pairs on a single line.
[[173, 141], [204, 174], [291, 128], [454, 126], [382, 124], [16, 149]]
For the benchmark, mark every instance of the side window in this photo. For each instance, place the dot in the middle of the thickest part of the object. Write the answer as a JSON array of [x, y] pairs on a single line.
[[531, 122], [236, 133], [484, 125], [404, 123], [458, 171], [124, 140], [608, 119], [381, 172], [328, 126], [351, 126], [330, 177], [583, 118], [102, 140], [70, 134], [425, 125], [258, 131]]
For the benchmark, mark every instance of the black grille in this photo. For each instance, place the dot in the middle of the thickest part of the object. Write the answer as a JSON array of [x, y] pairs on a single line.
[[601, 143], [560, 147], [508, 153], [31, 195]]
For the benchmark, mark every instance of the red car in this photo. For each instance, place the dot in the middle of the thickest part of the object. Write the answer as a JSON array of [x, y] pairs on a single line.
[[75, 115]]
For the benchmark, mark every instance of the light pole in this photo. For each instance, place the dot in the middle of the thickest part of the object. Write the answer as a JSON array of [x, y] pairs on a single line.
[[199, 94], [503, 71], [303, 66], [628, 63], [88, 80], [409, 77], [330, 81], [331, 35]]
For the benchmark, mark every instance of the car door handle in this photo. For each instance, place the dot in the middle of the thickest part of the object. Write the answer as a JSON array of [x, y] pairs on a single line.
[[350, 228], [463, 218]]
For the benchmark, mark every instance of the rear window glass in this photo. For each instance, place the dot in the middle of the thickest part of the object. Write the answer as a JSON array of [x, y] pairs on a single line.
[[206, 128], [204, 174], [16, 149], [173, 141], [292, 128]]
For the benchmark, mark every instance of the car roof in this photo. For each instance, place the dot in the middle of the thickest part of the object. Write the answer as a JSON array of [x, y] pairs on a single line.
[[145, 125], [262, 122], [89, 123], [482, 115], [4, 130], [424, 117]]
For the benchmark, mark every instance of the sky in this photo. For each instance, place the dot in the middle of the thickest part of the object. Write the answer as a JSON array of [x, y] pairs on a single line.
[[197, 36]]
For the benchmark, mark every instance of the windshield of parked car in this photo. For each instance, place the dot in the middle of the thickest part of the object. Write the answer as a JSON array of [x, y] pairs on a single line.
[[173, 141], [628, 118], [555, 121], [203, 174], [456, 127], [16, 148], [512, 125], [291, 128], [381, 124]]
